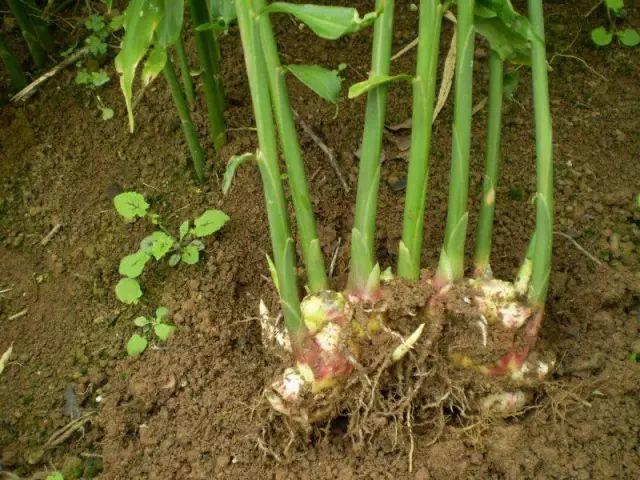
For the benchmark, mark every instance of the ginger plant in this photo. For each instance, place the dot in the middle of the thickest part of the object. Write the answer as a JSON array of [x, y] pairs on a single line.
[[326, 330]]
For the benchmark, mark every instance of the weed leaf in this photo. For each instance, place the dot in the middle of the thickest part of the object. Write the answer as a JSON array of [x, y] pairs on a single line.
[[141, 321], [133, 265], [162, 313], [128, 291], [190, 254], [130, 205], [174, 259], [629, 37], [163, 331], [55, 476], [136, 345], [162, 244], [601, 36], [209, 222], [184, 229]]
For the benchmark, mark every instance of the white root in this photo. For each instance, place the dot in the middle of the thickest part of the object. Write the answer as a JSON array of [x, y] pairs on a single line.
[[406, 345], [503, 403], [273, 334]]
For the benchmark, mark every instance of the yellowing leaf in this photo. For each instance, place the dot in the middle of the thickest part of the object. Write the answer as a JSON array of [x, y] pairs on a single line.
[[140, 22]]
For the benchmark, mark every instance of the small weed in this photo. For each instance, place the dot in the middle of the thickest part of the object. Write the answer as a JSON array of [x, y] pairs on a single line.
[[603, 36], [106, 112], [161, 328], [160, 244], [89, 71]]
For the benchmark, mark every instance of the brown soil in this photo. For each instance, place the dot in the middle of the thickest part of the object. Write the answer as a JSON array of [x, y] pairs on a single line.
[[193, 408]]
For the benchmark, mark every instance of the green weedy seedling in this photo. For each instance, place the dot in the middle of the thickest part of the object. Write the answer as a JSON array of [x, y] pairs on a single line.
[[161, 328], [603, 36], [99, 31], [160, 244]]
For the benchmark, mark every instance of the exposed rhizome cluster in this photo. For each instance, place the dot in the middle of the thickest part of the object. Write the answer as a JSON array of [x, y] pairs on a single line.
[[415, 357]]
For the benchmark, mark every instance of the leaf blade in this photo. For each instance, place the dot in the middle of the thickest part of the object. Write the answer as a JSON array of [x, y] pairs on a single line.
[[327, 22], [232, 166], [375, 81], [325, 83]]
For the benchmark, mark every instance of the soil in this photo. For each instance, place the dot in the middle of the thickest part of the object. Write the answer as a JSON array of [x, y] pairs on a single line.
[[193, 408]]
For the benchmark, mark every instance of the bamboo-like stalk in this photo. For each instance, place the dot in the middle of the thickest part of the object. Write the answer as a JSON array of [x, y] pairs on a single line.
[[267, 156], [523, 277], [451, 264], [18, 80], [185, 72], [424, 90], [29, 33], [308, 234], [197, 153], [207, 46], [544, 160], [40, 24], [491, 164], [364, 224]]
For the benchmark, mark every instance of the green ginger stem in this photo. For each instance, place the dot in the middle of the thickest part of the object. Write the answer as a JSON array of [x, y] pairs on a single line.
[[185, 71], [18, 80], [197, 154], [491, 164], [424, 89], [267, 157], [40, 24], [364, 225], [24, 21], [208, 54], [544, 160], [307, 230], [451, 264]]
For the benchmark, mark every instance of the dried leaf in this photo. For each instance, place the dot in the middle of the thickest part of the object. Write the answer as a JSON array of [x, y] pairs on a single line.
[[5, 358], [403, 142], [406, 125]]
